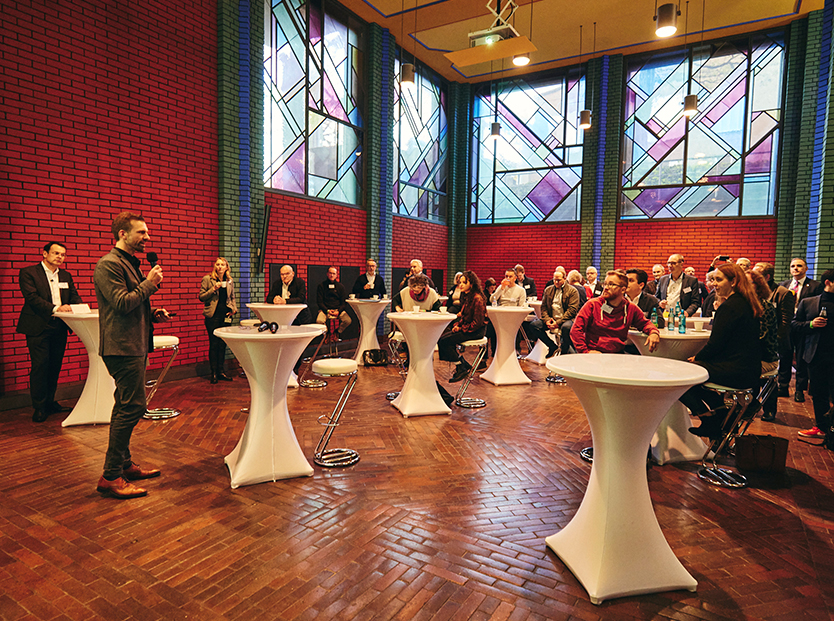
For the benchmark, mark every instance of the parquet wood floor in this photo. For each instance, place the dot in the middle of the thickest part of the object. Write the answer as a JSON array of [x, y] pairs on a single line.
[[444, 517]]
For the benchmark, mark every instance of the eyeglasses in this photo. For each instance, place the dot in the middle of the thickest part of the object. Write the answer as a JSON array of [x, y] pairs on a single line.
[[612, 285]]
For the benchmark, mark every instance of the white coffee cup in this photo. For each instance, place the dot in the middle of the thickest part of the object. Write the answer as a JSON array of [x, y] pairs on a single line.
[[698, 323], [352, 296], [374, 297]]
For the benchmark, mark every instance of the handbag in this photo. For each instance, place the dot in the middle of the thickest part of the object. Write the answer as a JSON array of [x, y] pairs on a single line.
[[761, 453], [375, 357]]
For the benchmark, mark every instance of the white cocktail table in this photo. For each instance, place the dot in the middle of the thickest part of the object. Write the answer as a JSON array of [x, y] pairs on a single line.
[[419, 395], [283, 315], [614, 545], [539, 353], [505, 369], [95, 405], [368, 312], [268, 449], [672, 441]]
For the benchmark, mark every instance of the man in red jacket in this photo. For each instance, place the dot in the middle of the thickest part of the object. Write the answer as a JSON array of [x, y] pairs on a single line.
[[602, 325]]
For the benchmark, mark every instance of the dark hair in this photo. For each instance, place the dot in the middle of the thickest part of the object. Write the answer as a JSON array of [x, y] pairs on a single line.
[[418, 279], [767, 269], [642, 276], [49, 245], [827, 275], [472, 279], [742, 286], [124, 222], [759, 285], [489, 282]]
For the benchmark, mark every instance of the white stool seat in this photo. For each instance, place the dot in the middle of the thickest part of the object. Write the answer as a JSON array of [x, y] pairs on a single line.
[[719, 387], [397, 336], [251, 323], [475, 342], [334, 366], [165, 342]]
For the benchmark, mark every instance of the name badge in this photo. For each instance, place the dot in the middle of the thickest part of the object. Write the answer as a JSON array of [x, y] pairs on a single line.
[[63, 285], [526, 286], [332, 286], [687, 290], [607, 308]]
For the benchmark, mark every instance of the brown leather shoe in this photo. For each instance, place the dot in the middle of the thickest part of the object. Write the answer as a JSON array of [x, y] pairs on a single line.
[[120, 488], [135, 472]]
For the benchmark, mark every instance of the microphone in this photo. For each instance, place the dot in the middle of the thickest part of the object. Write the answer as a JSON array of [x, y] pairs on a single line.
[[153, 259]]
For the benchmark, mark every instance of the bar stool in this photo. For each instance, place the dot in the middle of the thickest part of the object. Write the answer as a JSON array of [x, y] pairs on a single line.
[[737, 401], [162, 343], [337, 457], [394, 342], [304, 380], [556, 337], [460, 398]]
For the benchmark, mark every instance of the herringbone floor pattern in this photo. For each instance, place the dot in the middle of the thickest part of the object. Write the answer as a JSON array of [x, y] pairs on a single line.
[[444, 517]]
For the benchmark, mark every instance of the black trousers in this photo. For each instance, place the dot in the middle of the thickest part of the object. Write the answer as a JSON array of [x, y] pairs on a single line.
[[446, 349], [821, 374], [217, 346], [801, 366], [130, 406], [46, 353]]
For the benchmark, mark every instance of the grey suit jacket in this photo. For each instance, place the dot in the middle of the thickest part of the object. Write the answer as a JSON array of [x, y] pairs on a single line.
[[124, 308]]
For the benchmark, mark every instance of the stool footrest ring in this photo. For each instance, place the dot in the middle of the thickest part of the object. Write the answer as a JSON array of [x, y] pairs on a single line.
[[336, 458]]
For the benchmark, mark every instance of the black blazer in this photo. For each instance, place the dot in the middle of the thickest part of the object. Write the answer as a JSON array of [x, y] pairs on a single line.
[[690, 292], [529, 286], [298, 295], [806, 312], [366, 294], [809, 288], [733, 353], [646, 303], [37, 306]]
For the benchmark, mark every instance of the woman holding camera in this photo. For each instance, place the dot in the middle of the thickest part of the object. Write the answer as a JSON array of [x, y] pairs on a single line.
[[217, 293]]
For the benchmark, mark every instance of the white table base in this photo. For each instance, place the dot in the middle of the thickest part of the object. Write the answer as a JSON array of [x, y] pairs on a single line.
[[368, 312], [505, 369], [539, 353], [672, 441], [95, 405], [268, 449]]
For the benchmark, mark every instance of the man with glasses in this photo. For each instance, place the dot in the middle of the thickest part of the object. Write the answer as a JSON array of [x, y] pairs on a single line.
[[676, 287], [370, 283], [602, 325]]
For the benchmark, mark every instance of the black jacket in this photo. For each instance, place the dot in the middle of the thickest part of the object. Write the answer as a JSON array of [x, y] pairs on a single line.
[[298, 295], [37, 305], [366, 294]]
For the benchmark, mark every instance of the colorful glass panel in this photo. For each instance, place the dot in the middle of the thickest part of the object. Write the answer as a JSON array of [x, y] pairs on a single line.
[[723, 160], [533, 172]]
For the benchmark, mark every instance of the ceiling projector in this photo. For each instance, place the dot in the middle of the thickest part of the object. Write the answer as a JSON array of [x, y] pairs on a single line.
[[492, 35]]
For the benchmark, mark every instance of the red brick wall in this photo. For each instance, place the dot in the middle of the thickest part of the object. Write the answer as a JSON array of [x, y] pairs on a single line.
[[309, 232], [642, 244], [418, 239], [538, 247], [108, 106]]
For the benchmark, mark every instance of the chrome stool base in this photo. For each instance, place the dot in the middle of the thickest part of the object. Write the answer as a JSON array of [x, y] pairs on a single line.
[[304, 380], [721, 477], [737, 400], [336, 458], [392, 395], [162, 343], [161, 413], [460, 399], [587, 454], [555, 379]]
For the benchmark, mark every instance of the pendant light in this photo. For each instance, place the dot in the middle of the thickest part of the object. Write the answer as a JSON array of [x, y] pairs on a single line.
[[406, 69], [690, 102], [522, 60], [666, 17], [495, 131], [585, 115]]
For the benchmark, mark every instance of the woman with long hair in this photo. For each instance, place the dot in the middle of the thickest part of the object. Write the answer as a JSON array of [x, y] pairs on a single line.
[[217, 293], [732, 356], [470, 324]]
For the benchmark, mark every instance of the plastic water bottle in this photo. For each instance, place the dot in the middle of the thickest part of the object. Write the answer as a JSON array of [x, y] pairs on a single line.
[[682, 323], [677, 309], [670, 322], [653, 317]]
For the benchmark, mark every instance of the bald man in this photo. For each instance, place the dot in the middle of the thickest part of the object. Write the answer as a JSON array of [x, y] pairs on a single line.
[[676, 287]]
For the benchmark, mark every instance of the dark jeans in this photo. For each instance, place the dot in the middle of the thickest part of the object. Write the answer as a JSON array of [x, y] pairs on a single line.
[[217, 346], [536, 330], [448, 340], [46, 353], [785, 364], [801, 366], [821, 372], [129, 374], [699, 400]]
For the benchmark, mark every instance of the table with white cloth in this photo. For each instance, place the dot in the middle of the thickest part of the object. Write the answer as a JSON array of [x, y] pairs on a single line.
[[419, 396], [268, 449], [505, 369], [539, 353], [283, 315], [368, 312], [613, 544], [672, 441], [95, 405]]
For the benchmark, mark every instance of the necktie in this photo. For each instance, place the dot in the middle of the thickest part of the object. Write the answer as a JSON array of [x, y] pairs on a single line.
[[794, 286]]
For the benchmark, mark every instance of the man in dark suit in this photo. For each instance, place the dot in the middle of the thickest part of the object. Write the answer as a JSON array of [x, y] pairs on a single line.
[[290, 289], [802, 287], [528, 284], [370, 283], [702, 287], [125, 337], [657, 272], [814, 327], [575, 281], [46, 288], [646, 302], [676, 287]]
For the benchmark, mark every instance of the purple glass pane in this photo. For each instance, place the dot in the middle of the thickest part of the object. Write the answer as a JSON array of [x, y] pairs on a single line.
[[669, 140], [652, 201], [727, 102], [631, 102], [290, 176], [733, 189], [519, 127], [723, 178], [420, 175], [548, 192], [758, 160], [315, 24], [331, 101], [654, 126]]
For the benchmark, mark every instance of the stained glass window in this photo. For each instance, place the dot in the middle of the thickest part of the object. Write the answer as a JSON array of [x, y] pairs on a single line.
[[420, 146], [312, 101], [723, 160], [533, 171]]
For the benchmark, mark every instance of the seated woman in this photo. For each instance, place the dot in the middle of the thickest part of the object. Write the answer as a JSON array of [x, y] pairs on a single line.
[[418, 295], [470, 324], [453, 303], [732, 356]]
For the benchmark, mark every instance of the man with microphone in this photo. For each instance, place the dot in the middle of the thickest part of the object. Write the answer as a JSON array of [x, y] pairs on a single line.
[[126, 337]]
